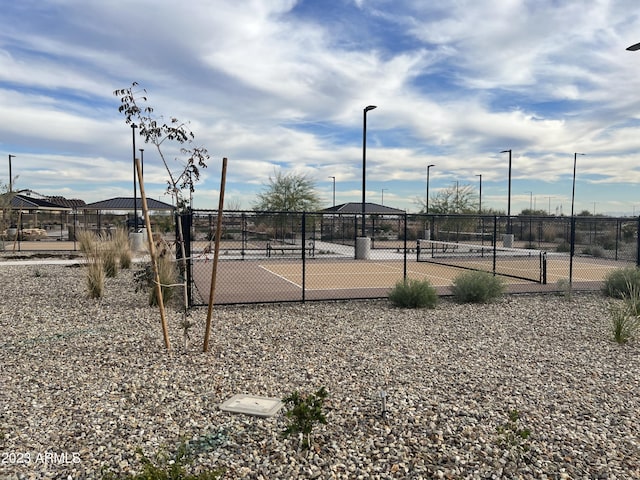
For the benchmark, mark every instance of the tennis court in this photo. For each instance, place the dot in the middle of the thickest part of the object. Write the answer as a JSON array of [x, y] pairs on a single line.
[[256, 281]]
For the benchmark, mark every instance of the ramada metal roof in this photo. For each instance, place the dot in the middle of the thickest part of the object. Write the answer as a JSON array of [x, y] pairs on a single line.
[[354, 208], [23, 202], [126, 203]]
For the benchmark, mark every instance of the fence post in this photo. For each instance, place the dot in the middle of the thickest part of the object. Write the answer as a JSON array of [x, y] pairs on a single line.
[[572, 249], [405, 247], [638, 242], [187, 219], [304, 254]]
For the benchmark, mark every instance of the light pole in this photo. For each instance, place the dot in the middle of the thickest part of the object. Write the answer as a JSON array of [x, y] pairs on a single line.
[[573, 221], [364, 161], [426, 203], [530, 202], [10, 179], [382, 200], [135, 191], [480, 195], [508, 194], [334, 190]]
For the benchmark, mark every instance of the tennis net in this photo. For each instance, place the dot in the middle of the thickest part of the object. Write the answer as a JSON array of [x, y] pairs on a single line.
[[521, 263]]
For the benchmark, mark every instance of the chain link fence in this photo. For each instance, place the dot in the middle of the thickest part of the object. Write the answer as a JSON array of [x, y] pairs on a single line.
[[282, 256]]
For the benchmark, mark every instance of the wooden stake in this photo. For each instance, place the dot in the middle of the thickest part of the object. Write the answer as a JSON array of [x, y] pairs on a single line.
[[216, 252], [154, 259]]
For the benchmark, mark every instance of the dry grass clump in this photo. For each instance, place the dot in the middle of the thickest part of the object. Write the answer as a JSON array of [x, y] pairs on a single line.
[[95, 277], [168, 279], [88, 242], [122, 247], [95, 269]]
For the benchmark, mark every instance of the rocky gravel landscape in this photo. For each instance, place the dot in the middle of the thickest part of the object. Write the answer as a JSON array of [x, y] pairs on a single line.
[[529, 386]]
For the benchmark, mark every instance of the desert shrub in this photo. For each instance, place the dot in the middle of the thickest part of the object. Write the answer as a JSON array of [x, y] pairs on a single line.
[[618, 282], [563, 247], [414, 294], [563, 287], [595, 251], [625, 319], [607, 241], [477, 287]]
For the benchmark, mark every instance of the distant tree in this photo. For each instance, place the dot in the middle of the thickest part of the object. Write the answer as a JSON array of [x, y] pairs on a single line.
[[584, 213], [291, 192], [5, 204], [527, 212], [461, 199], [233, 204]]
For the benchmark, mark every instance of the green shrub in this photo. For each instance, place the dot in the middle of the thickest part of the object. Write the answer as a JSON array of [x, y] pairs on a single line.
[[618, 282], [477, 287], [624, 324], [625, 319], [303, 412], [414, 294], [165, 468]]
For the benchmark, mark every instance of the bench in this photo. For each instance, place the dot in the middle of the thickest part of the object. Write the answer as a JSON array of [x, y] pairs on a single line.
[[283, 249]]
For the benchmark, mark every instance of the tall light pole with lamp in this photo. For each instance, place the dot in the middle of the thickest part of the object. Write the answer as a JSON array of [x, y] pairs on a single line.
[[382, 199], [364, 162], [573, 221], [633, 48], [426, 200]]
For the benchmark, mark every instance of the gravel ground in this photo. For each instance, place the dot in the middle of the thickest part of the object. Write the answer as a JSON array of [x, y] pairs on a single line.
[[85, 383]]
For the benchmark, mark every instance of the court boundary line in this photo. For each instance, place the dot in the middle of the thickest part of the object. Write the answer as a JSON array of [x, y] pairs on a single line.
[[280, 276]]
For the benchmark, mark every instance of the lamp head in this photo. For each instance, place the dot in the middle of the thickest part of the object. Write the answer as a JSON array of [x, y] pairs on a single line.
[[370, 107], [506, 151], [633, 48]]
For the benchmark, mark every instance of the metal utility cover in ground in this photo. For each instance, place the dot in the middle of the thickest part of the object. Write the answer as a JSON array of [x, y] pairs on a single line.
[[252, 405]]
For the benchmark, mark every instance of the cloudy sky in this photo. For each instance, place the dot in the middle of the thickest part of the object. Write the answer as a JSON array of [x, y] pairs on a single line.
[[282, 84]]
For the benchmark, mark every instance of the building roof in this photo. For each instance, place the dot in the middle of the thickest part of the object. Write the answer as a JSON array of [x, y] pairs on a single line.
[[127, 203], [23, 202], [66, 202], [354, 208]]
